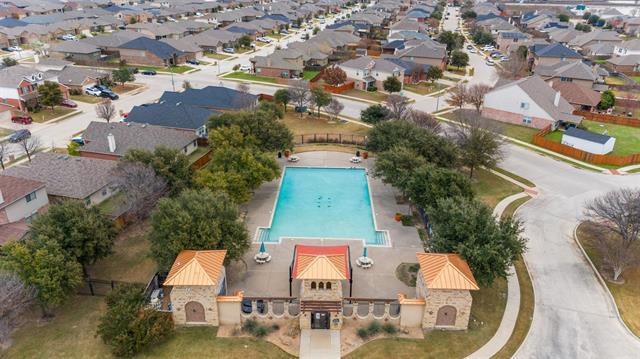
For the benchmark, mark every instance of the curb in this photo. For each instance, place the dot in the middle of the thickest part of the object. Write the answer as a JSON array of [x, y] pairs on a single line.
[[602, 283]]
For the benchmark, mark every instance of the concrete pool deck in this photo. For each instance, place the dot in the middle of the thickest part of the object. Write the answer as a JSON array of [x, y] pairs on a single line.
[[272, 279]]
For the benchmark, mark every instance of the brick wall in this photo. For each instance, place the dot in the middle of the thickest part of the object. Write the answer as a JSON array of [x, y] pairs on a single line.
[[101, 156], [205, 295], [460, 299], [270, 72], [514, 118]]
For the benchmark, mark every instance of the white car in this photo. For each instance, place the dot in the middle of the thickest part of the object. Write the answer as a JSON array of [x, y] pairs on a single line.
[[264, 39], [504, 58], [92, 91], [14, 48], [68, 37], [488, 48], [490, 63], [245, 68], [472, 50]]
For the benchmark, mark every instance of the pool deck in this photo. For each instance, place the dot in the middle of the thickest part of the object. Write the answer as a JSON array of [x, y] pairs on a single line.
[[272, 279]]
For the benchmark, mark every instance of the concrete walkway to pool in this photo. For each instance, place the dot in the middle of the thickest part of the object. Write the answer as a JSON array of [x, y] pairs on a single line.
[[319, 344], [272, 279]]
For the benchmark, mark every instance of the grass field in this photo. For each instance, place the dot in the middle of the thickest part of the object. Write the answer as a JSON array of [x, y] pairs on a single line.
[[486, 313], [425, 88], [173, 69], [627, 138], [636, 79], [308, 74], [490, 188], [85, 98], [250, 77], [112, 204], [5, 132], [375, 96], [217, 56], [627, 293], [518, 132], [310, 124], [46, 114], [613, 81], [120, 89]]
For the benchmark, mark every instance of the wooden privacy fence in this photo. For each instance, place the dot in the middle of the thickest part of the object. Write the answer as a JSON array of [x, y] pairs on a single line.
[[202, 161], [539, 140], [603, 117], [338, 138]]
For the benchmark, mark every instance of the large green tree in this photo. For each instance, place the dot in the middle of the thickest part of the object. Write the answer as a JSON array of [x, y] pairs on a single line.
[[84, 234], [42, 263], [391, 84], [375, 114], [427, 184], [196, 219], [459, 59], [480, 146], [320, 98], [453, 40], [50, 94], [468, 227], [169, 163], [122, 75], [395, 166], [607, 100], [282, 97]]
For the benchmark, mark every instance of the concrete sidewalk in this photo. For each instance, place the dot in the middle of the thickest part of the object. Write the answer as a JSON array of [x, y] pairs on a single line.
[[319, 344]]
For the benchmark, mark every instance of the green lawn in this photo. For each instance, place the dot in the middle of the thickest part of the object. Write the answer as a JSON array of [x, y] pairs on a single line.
[[626, 294], [627, 138], [85, 98], [308, 74], [112, 204], [518, 132], [5, 132], [310, 124], [614, 81], [46, 114], [456, 70], [425, 88], [600, 61], [276, 36], [366, 95], [454, 79], [199, 152], [239, 75], [173, 69], [486, 313], [515, 177], [490, 188], [636, 79], [217, 56]]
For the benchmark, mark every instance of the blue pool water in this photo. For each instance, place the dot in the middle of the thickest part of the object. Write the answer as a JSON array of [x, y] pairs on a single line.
[[324, 203]]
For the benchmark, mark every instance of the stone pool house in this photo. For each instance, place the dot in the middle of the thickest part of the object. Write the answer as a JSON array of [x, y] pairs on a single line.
[[195, 293]]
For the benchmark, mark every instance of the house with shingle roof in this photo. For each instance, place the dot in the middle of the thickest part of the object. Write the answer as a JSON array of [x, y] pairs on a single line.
[[69, 177], [193, 284], [576, 71], [147, 51], [79, 52], [548, 54], [426, 52], [21, 199], [594, 36], [581, 97], [175, 115], [111, 141], [367, 71], [214, 98], [19, 86], [445, 282], [529, 102]]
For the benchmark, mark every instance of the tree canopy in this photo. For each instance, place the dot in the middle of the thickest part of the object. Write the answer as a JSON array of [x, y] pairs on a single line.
[[395, 166], [459, 59], [199, 220], [282, 96], [122, 75], [607, 100], [50, 94], [482, 38], [429, 184], [392, 84], [169, 163], [375, 114], [453, 40]]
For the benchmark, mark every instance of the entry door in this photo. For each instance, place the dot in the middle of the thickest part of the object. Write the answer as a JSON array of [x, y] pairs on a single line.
[[194, 312], [319, 320]]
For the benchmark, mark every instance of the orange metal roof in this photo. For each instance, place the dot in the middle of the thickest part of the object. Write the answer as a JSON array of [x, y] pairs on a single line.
[[196, 268], [320, 262], [446, 271]]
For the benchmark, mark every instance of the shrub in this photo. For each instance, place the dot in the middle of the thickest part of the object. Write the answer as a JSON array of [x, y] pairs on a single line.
[[261, 331], [236, 67], [363, 333], [249, 325], [374, 328], [407, 220], [389, 328], [372, 88]]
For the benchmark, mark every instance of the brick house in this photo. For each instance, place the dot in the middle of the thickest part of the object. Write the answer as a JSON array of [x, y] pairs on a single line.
[[549, 54], [285, 63], [366, 71], [427, 53], [150, 52], [529, 102], [19, 86]]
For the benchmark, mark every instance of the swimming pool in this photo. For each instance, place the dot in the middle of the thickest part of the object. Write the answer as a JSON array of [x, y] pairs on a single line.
[[324, 203]]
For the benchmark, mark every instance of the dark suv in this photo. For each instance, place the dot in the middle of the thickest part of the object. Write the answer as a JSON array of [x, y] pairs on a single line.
[[19, 136]]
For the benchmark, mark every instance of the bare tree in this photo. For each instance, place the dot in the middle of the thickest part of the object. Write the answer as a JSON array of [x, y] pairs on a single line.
[[458, 95], [416, 73], [30, 145], [4, 152], [186, 84], [141, 185], [246, 98], [475, 95], [334, 108], [398, 106], [425, 120], [514, 69], [617, 214], [300, 94], [479, 144], [106, 110], [15, 299]]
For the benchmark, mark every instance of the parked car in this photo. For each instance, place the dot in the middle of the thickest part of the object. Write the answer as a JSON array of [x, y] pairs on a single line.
[[110, 95], [193, 62], [68, 103], [284, 32], [490, 63], [14, 48], [245, 67], [469, 47], [103, 88], [488, 48], [68, 37], [19, 135], [78, 139], [495, 55], [504, 58], [22, 119], [472, 50], [92, 91], [229, 50], [148, 72]]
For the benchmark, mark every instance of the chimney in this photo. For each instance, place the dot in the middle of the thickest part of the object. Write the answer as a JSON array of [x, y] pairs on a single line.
[[112, 142], [556, 100], [36, 58]]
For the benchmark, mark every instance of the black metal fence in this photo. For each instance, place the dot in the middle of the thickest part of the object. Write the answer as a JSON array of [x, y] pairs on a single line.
[[337, 138], [99, 287]]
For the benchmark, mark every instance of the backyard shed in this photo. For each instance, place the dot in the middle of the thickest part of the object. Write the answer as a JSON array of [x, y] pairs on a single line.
[[588, 141]]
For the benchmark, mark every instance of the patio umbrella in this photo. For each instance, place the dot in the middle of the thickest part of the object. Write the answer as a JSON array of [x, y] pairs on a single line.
[[365, 252], [262, 247]]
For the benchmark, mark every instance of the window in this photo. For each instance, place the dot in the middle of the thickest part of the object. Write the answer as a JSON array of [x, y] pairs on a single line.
[[566, 79], [321, 285], [30, 197], [104, 191], [526, 120], [524, 105], [328, 285], [313, 285]]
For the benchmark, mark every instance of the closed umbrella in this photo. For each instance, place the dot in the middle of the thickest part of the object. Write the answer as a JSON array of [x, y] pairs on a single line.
[[262, 250]]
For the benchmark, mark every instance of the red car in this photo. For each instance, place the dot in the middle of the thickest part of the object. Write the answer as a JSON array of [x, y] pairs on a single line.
[[23, 119], [68, 103]]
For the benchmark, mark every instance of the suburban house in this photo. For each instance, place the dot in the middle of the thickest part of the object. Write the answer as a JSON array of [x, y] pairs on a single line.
[[588, 141], [21, 199], [67, 177], [188, 118], [285, 63], [632, 26], [187, 45], [548, 54], [574, 71], [19, 86], [413, 72], [215, 40], [193, 284], [214, 98], [76, 79], [563, 36], [78, 52], [593, 37], [629, 47], [109, 43], [426, 53], [367, 72], [146, 51], [629, 65], [510, 40], [581, 97], [529, 102], [110, 141]]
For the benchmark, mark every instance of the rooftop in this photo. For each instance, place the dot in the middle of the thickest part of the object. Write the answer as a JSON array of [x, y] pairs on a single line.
[[196, 268], [446, 271], [586, 135], [321, 262], [15, 188]]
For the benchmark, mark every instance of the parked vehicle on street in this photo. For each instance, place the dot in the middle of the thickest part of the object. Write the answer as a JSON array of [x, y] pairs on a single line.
[[245, 67], [68, 103], [68, 37], [109, 95], [284, 32], [22, 119], [148, 72], [472, 50], [490, 63], [19, 135], [193, 62], [93, 91], [14, 48], [78, 139], [229, 50]]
